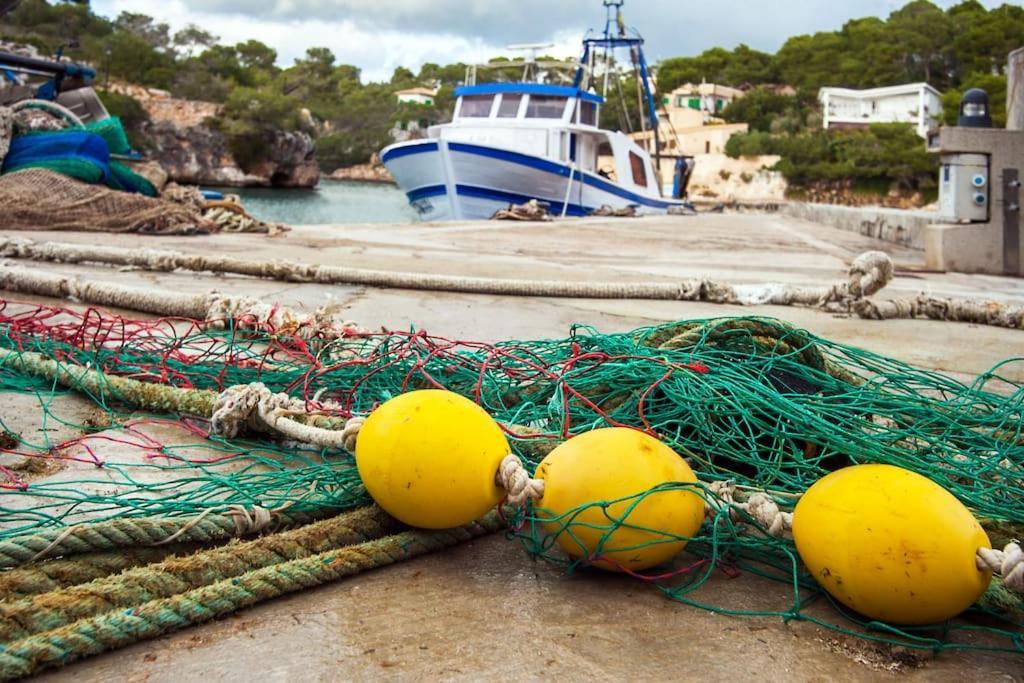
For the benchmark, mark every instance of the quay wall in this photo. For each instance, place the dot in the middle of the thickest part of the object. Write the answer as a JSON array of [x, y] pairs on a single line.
[[899, 226]]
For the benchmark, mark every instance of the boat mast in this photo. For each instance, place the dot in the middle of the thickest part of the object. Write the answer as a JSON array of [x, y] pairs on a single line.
[[617, 35]]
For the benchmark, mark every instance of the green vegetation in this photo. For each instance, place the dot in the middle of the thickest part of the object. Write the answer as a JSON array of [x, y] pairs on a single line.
[[918, 42], [352, 120], [881, 157], [962, 47], [954, 49]]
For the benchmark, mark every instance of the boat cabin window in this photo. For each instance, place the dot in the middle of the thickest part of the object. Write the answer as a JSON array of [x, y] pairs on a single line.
[[636, 164], [476, 106], [588, 113], [545, 107], [509, 107]]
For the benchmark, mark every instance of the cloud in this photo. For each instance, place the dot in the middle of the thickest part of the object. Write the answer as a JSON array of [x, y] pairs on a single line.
[[378, 35]]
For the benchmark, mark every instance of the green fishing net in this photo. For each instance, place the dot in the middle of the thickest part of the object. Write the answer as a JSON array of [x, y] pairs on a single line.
[[753, 401]]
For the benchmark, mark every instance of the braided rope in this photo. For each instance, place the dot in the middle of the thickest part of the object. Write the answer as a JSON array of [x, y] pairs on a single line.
[[258, 408], [43, 577], [174, 575], [130, 532], [868, 274], [120, 627], [1008, 563], [519, 486]]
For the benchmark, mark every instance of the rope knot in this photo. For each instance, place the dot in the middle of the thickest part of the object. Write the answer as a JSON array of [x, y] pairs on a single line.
[[766, 513], [250, 520], [248, 405], [869, 272], [351, 432], [1008, 563], [720, 497], [519, 486]]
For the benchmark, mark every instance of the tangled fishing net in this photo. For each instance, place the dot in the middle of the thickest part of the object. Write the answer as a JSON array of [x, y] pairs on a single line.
[[753, 404]]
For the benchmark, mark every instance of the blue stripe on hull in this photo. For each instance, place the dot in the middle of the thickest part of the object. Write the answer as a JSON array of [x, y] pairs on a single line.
[[515, 198], [491, 194], [426, 191], [559, 169], [522, 160], [406, 150]]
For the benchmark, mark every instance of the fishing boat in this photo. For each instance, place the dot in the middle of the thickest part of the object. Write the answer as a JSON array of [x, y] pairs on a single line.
[[511, 142]]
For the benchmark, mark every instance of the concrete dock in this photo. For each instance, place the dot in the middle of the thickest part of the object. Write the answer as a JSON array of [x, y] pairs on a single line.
[[484, 610]]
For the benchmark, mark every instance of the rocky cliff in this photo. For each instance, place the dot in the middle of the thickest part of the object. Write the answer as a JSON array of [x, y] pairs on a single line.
[[179, 137], [372, 172]]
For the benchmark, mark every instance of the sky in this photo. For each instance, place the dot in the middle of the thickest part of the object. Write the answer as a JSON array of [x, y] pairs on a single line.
[[379, 35]]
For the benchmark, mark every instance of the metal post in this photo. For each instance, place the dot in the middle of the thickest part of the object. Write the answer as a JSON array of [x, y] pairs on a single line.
[[1011, 222]]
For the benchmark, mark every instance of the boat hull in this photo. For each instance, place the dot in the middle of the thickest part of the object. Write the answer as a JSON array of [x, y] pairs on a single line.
[[446, 180]]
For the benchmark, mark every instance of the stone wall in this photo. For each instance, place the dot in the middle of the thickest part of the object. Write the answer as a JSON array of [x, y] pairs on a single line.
[[899, 226]]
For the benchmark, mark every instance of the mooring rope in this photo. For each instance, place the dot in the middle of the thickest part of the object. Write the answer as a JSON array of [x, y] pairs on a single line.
[[119, 627], [43, 577], [174, 575], [216, 310], [868, 274]]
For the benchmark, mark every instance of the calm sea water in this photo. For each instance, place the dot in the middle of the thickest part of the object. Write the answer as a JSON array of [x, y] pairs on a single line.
[[334, 201]]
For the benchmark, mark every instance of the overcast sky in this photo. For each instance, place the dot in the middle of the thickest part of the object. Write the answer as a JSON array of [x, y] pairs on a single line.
[[378, 35]]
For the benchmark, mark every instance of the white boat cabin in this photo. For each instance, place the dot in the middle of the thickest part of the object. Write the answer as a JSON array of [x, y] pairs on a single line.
[[558, 123]]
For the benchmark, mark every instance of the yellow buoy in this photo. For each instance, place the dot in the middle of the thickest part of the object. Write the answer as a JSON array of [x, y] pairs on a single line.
[[429, 458], [607, 464], [891, 544]]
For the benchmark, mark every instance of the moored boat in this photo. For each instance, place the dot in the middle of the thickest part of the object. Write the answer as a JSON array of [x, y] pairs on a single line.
[[512, 142]]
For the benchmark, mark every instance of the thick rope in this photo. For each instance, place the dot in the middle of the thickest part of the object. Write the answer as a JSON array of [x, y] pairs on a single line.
[[759, 506], [43, 577], [133, 532], [519, 486], [868, 274], [120, 627], [256, 407], [216, 310], [165, 261], [1008, 563], [174, 575]]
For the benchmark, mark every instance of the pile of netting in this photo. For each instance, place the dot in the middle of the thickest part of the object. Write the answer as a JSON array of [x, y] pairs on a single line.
[[753, 404]]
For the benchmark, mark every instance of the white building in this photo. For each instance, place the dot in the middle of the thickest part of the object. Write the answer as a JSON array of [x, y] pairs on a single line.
[[918, 104], [417, 95]]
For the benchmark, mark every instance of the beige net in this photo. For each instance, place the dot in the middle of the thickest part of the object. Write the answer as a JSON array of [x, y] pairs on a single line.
[[37, 199]]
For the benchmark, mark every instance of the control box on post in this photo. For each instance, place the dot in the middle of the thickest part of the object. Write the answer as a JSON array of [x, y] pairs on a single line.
[[964, 187]]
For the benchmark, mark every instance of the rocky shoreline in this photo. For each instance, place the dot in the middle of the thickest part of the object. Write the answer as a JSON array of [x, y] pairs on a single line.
[[372, 172], [180, 138]]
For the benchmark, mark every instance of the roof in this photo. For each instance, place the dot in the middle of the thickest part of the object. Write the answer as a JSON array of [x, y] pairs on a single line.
[[416, 91], [528, 89], [707, 89], [885, 91]]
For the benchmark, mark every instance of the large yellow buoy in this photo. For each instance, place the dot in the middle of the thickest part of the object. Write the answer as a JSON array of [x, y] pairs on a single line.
[[607, 464], [891, 544], [429, 459]]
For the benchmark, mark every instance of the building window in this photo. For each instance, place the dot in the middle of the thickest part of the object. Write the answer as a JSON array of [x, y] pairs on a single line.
[[476, 106], [588, 113], [545, 107], [693, 103], [636, 164], [509, 107]]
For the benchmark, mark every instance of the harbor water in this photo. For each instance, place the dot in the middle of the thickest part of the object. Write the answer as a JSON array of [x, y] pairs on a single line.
[[332, 202]]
